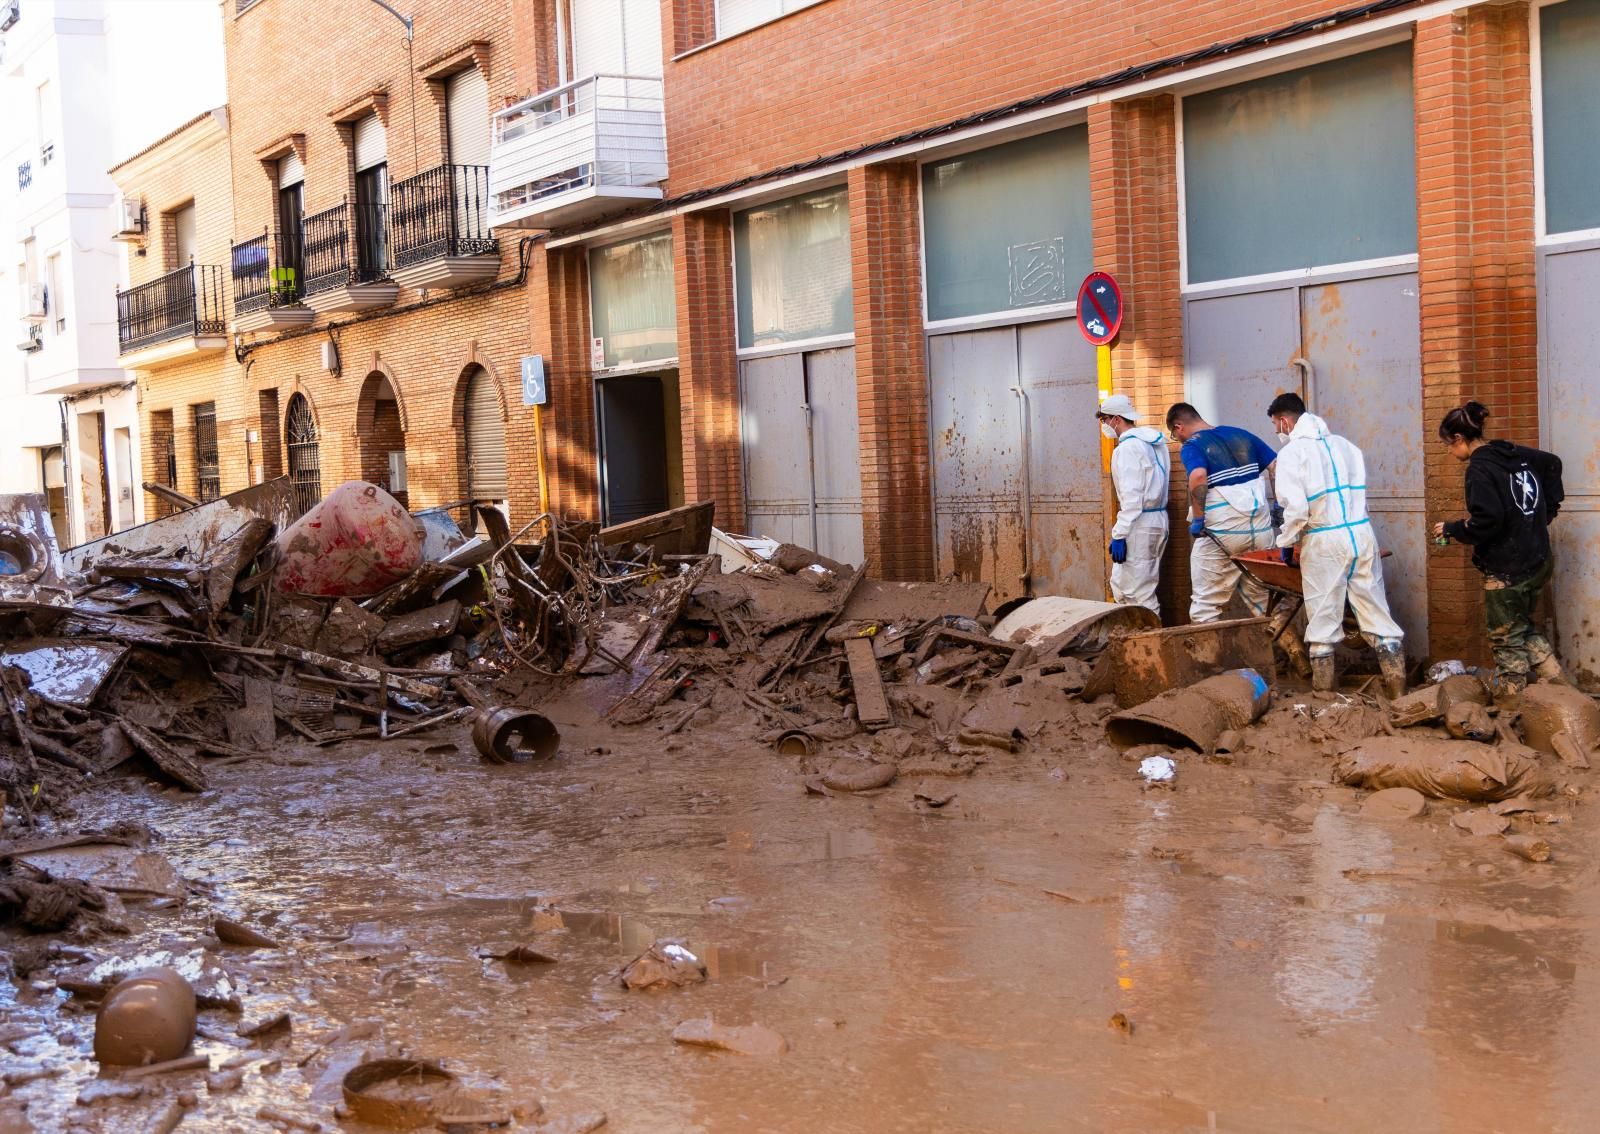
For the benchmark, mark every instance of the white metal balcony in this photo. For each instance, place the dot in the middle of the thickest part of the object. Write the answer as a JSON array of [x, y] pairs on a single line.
[[577, 152]]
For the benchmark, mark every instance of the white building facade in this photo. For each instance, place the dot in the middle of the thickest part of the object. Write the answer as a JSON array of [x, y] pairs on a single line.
[[69, 424]]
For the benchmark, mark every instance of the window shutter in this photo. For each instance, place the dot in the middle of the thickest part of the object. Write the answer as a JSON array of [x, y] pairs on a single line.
[[486, 441], [467, 112], [371, 143], [290, 170]]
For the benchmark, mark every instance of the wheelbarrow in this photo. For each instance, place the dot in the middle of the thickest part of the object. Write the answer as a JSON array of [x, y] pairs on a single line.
[[1282, 581]]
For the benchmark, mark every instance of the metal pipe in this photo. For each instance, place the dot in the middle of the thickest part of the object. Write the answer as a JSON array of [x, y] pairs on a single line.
[[1308, 383], [1027, 495]]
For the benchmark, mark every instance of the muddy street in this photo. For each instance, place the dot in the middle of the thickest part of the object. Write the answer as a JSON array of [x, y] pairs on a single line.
[[1057, 947]]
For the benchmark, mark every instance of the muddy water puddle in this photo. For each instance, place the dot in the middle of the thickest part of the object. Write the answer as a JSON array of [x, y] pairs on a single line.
[[1279, 963]]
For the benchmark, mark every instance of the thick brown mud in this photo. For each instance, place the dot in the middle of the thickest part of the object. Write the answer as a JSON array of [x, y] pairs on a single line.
[[1055, 948]]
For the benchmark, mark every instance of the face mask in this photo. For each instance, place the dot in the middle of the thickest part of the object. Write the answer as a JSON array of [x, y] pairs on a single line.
[[1107, 432]]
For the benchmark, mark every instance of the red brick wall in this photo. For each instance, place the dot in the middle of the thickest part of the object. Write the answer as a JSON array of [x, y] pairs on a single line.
[[708, 373], [1134, 186], [848, 72], [891, 370], [1475, 231]]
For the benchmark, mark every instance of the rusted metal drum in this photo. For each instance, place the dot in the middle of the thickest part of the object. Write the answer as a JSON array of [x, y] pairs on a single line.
[[515, 736]]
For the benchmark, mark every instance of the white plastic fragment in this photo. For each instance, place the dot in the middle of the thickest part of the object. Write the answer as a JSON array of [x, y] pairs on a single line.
[[1158, 769]]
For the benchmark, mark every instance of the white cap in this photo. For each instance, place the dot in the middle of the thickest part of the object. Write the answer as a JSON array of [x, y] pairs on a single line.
[[1118, 405]]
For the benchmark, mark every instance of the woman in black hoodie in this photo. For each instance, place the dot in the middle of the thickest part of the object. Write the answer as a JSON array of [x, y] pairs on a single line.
[[1512, 495]]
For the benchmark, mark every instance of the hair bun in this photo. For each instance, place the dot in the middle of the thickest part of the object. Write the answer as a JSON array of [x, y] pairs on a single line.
[[1477, 413]]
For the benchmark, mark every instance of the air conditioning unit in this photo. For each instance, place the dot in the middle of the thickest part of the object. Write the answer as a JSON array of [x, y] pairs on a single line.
[[36, 303], [10, 13], [34, 341], [131, 220]]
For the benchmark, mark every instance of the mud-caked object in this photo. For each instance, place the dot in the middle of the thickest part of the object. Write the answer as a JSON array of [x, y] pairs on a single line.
[[147, 1017]]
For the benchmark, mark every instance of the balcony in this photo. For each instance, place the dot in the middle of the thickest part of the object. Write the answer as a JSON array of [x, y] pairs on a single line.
[[267, 277], [335, 282], [177, 317], [577, 152], [439, 229]]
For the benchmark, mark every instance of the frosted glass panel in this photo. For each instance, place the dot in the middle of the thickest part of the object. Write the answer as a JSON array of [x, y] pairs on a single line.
[[1569, 44], [1308, 168], [1007, 228], [634, 308], [791, 264]]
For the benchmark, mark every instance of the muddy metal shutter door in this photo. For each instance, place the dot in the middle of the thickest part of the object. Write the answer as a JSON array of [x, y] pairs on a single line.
[[467, 111], [371, 143], [486, 441]]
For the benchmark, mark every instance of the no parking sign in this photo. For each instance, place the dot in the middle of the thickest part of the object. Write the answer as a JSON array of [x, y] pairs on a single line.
[[1099, 308]]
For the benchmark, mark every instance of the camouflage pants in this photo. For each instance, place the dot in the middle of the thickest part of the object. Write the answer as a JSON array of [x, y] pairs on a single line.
[[1508, 609]]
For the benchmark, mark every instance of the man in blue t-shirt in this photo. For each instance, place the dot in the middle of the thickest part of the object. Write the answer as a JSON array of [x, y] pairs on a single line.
[[1230, 509]]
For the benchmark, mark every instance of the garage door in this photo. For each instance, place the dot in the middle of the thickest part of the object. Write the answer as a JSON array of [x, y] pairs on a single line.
[[802, 450], [1016, 456]]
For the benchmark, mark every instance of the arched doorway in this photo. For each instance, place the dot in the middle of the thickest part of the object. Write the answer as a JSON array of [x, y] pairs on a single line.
[[381, 437], [484, 429], [305, 458]]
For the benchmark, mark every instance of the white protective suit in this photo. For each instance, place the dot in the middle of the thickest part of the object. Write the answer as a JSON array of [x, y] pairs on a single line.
[[1239, 516], [1141, 471], [1322, 485]]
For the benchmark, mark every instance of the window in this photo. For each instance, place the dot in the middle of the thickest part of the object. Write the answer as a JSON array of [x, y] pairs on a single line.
[[183, 235], [207, 470], [290, 269], [1569, 59], [1007, 228], [56, 296], [305, 455], [1308, 168], [792, 270], [635, 312], [466, 99], [47, 120], [735, 16], [371, 146], [616, 37]]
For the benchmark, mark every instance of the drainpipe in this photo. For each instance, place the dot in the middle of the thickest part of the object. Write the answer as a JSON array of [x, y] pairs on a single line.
[[67, 493]]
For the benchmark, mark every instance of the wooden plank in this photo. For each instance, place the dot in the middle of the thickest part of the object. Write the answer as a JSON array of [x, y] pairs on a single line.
[[680, 531], [177, 765], [872, 705]]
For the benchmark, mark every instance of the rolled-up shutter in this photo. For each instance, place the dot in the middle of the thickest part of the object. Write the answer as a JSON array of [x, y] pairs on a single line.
[[486, 441], [467, 112], [291, 171], [371, 143]]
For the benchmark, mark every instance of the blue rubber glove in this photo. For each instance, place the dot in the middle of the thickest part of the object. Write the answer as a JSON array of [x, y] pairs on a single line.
[[1287, 555], [1119, 551], [1277, 515], [1197, 527]]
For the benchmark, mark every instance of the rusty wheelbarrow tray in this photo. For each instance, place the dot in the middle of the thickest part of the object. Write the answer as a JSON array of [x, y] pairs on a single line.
[[1288, 596]]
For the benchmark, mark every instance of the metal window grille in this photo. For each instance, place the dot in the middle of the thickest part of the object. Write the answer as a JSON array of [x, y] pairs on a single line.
[[305, 458], [208, 472]]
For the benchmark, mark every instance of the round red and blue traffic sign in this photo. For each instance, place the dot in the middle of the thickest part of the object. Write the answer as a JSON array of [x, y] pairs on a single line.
[[1099, 308]]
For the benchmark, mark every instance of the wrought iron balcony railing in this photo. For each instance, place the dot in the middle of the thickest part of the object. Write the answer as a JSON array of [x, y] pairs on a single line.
[[327, 250], [268, 271], [181, 304], [441, 212]]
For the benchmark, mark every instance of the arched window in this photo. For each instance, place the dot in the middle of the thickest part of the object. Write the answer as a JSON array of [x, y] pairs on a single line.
[[305, 459]]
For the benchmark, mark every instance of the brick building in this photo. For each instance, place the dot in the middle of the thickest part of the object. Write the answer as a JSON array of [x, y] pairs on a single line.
[[851, 309], [817, 260]]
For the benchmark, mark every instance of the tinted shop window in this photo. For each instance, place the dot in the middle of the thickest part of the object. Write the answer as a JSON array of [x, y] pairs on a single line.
[[1303, 169], [791, 263], [1569, 46], [634, 310], [1007, 228]]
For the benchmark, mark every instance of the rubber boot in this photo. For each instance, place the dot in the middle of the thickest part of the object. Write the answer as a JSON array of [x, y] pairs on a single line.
[[1550, 671], [1324, 674], [1392, 664]]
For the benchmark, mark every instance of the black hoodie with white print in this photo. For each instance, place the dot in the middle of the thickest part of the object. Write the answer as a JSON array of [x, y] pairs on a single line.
[[1512, 495]]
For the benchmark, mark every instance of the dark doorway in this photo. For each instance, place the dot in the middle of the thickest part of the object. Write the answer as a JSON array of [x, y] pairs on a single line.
[[635, 447]]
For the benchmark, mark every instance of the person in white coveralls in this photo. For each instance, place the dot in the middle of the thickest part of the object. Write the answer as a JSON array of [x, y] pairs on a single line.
[[1322, 485], [1141, 470]]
